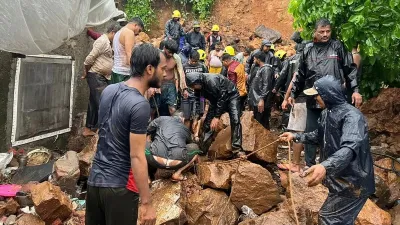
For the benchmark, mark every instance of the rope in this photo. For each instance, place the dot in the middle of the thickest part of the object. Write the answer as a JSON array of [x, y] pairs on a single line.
[[393, 169], [290, 184]]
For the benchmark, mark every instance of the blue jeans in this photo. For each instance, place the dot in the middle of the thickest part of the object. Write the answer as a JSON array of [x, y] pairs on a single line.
[[311, 125]]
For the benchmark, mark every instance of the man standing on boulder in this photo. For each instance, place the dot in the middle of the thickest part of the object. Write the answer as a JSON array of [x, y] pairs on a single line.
[[173, 29], [119, 173], [195, 38], [346, 167], [322, 57], [223, 97], [123, 44]]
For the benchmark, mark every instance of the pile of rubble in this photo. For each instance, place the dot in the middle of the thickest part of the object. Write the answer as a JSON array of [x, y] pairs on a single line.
[[218, 191]]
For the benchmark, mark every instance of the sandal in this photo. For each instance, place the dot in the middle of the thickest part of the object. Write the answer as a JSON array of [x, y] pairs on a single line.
[[286, 167]]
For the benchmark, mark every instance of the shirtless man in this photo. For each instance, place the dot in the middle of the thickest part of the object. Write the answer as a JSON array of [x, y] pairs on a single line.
[[173, 81], [123, 44]]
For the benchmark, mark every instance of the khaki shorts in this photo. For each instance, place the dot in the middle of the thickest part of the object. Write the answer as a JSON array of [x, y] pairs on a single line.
[[298, 117]]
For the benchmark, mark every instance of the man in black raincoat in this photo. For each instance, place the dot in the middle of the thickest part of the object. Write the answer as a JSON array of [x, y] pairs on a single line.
[[260, 93], [251, 68], [346, 167], [322, 57], [223, 97], [195, 38]]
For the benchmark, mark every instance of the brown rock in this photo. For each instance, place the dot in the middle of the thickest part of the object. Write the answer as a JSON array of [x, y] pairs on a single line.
[[224, 122], [9, 207], [395, 213], [280, 217], [206, 207], [308, 200], [391, 180], [221, 148], [371, 214], [216, 175], [253, 186], [50, 202], [143, 37], [166, 196], [29, 219], [66, 172], [86, 156], [255, 137], [382, 191]]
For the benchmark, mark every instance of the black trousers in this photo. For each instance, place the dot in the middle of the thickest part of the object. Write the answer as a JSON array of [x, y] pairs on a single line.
[[311, 125], [233, 107], [262, 118], [111, 206], [340, 210], [97, 83]]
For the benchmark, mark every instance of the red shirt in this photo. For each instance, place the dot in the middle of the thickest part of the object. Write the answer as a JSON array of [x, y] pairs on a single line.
[[232, 75], [131, 185]]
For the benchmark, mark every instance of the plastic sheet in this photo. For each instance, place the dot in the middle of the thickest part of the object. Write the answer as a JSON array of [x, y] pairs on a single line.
[[35, 27]]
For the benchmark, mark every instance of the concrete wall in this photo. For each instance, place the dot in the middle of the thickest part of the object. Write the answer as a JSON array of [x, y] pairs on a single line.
[[77, 47]]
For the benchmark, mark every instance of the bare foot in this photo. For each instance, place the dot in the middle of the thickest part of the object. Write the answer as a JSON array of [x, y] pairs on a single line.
[[294, 167], [87, 132], [178, 177]]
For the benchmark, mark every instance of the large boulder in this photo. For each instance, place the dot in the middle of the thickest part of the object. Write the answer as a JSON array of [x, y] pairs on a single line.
[[268, 33], [9, 207], [29, 219], [395, 213], [371, 214], [308, 200], [390, 179], [255, 137], [252, 185], [216, 174], [166, 196], [221, 148], [66, 172], [208, 206], [50, 202], [86, 156], [279, 217]]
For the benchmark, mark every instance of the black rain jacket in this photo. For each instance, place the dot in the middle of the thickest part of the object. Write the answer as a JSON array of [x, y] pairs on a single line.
[[261, 87], [343, 136], [321, 59], [173, 29], [215, 88], [196, 40], [270, 59]]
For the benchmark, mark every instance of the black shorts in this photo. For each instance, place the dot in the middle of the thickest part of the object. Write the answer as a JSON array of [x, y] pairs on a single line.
[[111, 206]]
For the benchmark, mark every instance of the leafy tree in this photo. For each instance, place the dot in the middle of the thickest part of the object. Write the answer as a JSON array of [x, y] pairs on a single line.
[[372, 25], [142, 9]]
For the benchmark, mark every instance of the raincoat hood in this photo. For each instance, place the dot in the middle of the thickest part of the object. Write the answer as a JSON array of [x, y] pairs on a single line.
[[330, 90], [193, 78]]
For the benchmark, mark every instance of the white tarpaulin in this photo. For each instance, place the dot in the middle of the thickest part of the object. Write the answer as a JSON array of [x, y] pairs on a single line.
[[40, 26]]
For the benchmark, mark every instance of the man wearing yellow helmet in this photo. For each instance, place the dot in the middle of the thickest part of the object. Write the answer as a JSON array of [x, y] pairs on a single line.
[[173, 29], [214, 38], [195, 38]]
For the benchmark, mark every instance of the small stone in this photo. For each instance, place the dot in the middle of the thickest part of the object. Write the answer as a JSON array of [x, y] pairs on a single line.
[[29, 219], [9, 207], [66, 172], [11, 220]]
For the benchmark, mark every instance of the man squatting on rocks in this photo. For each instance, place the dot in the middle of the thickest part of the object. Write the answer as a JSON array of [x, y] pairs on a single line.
[[223, 96], [346, 167], [119, 172], [172, 147]]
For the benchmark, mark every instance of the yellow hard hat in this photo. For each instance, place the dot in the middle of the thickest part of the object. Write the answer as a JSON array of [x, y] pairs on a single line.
[[272, 47], [176, 14], [280, 54], [215, 28], [229, 50], [202, 54]]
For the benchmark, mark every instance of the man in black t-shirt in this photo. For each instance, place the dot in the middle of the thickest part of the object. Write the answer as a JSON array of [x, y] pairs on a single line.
[[113, 187]]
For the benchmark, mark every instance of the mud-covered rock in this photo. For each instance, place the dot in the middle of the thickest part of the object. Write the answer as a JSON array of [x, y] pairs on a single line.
[[215, 174], [86, 156], [371, 214], [221, 148], [166, 196], [279, 217], [50, 202], [207, 207], [253, 186], [268, 33], [395, 213], [9, 207], [255, 137], [29, 219], [66, 172]]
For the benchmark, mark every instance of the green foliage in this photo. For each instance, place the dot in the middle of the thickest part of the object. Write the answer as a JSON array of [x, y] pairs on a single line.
[[373, 25], [142, 9]]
